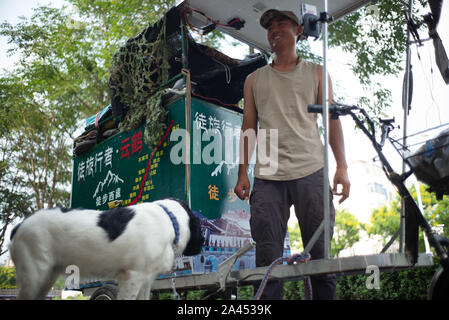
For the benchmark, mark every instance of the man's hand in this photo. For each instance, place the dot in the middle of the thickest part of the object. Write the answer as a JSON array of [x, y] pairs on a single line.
[[242, 187], [341, 178]]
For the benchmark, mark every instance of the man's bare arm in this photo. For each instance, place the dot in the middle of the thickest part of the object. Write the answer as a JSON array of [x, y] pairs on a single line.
[[246, 145], [336, 141]]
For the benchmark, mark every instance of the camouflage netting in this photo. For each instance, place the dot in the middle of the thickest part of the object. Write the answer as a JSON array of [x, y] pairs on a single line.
[[138, 70]]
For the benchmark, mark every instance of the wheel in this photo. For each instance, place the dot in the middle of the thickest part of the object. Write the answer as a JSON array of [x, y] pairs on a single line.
[[439, 286], [106, 292]]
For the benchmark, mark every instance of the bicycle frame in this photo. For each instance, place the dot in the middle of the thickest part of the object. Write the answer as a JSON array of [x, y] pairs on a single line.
[[414, 218]]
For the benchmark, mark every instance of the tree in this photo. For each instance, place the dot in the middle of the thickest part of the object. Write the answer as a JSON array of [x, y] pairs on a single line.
[[435, 211], [385, 220], [346, 231], [377, 41], [61, 78], [7, 278], [15, 202]]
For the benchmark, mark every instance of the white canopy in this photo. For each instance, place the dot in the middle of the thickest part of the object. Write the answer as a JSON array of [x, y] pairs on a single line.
[[251, 10]]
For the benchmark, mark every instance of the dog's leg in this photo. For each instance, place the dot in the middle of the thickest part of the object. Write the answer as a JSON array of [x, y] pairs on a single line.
[[27, 283], [47, 282], [28, 272], [144, 292], [130, 283]]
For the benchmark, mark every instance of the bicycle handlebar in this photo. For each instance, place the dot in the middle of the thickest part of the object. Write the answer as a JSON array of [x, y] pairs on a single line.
[[334, 109]]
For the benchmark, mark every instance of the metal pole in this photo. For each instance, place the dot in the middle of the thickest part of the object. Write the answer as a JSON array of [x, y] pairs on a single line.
[[405, 106], [327, 253], [418, 195], [185, 66]]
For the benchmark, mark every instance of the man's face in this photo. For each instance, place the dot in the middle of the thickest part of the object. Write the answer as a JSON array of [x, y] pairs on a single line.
[[282, 32]]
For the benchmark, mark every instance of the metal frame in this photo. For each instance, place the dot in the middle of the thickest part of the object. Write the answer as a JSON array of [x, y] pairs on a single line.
[[348, 265], [327, 240], [224, 277], [405, 106]]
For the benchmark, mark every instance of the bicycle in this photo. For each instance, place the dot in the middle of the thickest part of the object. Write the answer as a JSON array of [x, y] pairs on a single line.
[[414, 218]]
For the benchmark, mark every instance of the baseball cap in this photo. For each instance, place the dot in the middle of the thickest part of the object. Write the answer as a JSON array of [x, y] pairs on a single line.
[[270, 14]]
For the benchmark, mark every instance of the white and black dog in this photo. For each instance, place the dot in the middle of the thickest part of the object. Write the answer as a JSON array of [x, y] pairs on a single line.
[[129, 244]]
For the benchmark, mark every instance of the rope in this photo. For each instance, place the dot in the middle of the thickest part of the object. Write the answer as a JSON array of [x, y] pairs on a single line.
[[298, 258]]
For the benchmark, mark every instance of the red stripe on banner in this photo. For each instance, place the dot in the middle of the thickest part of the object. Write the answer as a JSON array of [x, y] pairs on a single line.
[[149, 164]]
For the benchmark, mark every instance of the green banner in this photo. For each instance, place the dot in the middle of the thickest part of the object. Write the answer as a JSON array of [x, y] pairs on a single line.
[[115, 169]]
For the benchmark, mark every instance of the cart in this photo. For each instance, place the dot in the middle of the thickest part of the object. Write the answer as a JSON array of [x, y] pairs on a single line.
[[113, 168]]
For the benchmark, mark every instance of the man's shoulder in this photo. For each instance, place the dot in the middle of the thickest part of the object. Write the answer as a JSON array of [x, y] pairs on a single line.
[[252, 76], [262, 69], [311, 64]]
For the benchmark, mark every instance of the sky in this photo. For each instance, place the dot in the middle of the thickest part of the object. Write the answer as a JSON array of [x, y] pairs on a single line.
[[430, 105]]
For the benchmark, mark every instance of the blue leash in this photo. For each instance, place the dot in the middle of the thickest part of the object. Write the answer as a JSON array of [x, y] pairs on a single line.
[[298, 258]]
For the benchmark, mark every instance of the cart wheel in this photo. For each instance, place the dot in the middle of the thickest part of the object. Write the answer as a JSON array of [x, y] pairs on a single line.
[[107, 292], [439, 286]]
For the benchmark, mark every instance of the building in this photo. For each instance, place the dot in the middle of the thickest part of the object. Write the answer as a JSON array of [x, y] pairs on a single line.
[[370, 189]]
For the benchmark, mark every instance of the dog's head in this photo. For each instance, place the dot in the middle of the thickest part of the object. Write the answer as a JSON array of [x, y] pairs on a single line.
[[196, 240]]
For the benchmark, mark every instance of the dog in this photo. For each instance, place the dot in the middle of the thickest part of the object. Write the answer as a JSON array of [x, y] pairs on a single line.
[[129, 244]]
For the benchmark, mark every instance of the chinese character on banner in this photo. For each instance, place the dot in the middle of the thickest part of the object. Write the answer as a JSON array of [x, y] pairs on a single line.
[[98, 201], [137, 142], [81, 170], [214, 123], [201, 121], [124, 148], [98, 159], [90, 166], [213, 192], [108, 157]]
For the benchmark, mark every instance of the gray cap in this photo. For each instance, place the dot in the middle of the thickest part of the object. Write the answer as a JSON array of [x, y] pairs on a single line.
[[269, 15]]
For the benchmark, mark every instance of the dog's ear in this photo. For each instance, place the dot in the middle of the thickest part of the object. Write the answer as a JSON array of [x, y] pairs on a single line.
[[196, 240]]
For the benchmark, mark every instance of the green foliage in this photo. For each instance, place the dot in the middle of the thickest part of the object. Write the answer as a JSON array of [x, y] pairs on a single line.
[[385, 221], [7, 278], [60, 78], [346, 231], [295, 238], [376, 39], [139, 68], [294, 290], [435, 211], [410, 284]]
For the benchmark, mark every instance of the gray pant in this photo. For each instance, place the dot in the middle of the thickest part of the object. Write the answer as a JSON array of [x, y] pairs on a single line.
[[270, 210]]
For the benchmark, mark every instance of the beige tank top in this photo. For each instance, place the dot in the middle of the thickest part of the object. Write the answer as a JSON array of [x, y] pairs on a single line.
[[281, 100]]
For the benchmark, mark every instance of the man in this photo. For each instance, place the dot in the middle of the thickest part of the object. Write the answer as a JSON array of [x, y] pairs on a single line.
[[276, 96]]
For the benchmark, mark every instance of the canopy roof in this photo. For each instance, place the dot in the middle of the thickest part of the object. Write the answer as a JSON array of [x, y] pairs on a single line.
[[251, 10]]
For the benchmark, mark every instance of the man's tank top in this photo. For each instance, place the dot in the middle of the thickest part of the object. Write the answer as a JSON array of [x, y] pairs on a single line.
[[281, 100]]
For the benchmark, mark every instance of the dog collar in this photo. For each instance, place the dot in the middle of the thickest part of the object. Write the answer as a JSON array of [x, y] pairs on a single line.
[[173, 221]]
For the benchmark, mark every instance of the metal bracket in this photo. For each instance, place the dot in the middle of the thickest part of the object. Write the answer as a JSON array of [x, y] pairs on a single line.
[[225, 268]]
